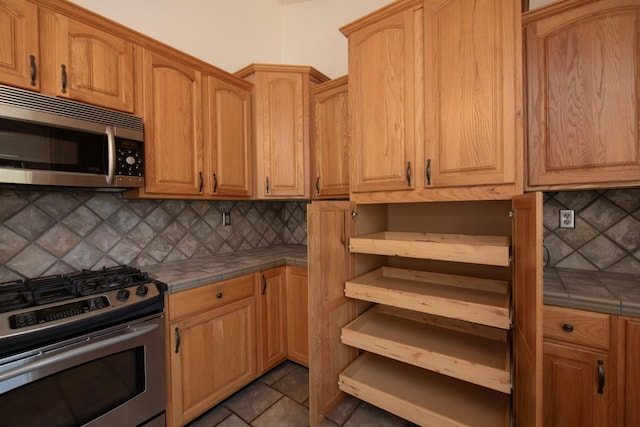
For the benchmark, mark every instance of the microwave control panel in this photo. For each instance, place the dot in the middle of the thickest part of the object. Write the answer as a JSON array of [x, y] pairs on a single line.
[[129, 158]]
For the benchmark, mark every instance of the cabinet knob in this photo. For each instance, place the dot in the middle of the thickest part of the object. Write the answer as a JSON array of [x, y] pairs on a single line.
[[567, 327], [219, 295]]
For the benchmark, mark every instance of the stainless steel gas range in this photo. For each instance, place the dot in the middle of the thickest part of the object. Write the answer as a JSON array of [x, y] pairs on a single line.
[[85, 348]]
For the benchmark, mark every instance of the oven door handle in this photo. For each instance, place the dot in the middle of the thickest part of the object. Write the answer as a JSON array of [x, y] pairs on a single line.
[[111, 154], [79, 349]]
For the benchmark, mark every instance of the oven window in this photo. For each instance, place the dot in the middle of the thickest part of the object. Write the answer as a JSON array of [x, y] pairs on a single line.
[[33, 146], [77, 395]]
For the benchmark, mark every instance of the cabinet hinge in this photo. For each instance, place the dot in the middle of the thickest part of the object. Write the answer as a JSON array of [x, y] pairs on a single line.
[[354, 214], [512, 214]]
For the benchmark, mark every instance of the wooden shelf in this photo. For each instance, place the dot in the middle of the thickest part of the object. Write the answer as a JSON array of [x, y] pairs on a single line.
[[477, 359], [489, 250], [422, 396], [483, 301]]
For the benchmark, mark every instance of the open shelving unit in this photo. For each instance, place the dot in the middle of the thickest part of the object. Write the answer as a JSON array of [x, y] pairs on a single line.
[[436, 348]]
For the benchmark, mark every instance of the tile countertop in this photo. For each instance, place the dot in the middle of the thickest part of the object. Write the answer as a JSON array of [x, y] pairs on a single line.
[[190, 273], [612, 293]]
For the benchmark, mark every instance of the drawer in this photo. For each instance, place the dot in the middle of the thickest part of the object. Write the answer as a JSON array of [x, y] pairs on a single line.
[[209, 297], [577, 326]]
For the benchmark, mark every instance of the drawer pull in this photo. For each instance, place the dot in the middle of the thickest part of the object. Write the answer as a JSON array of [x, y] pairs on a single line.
[[600, 376], [567, 327], [219, 295], [177, 340]]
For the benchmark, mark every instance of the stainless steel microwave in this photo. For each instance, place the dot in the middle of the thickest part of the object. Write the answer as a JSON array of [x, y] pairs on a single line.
[[57, 142]]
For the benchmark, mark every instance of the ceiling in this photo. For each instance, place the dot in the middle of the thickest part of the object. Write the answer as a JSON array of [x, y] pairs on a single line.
[[287, 2]]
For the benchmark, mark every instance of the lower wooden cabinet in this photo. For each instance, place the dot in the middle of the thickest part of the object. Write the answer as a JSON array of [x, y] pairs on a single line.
[[629, 372], [272, 317], [579, 366], [211, 346], [297, 315]]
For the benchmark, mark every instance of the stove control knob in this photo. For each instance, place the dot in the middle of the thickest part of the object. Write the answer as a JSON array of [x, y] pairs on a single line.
[[122, 295], [142, 290]]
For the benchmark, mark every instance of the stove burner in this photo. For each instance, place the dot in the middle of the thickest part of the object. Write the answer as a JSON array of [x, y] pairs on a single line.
[[92, 282], [14, 295], [50, 289]]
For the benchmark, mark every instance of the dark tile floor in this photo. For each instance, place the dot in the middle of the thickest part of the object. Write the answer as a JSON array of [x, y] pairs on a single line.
[[280, 398]]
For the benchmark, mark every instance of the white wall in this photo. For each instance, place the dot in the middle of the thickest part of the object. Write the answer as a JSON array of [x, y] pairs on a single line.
[[233, 33]]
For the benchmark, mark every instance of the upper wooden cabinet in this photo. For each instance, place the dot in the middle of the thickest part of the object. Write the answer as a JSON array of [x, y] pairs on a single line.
[[281, 106], [582, 66], [172, 112], [228, 147], [19, 46], [435, 99], [385, 73], [330, 140], [85, 63]]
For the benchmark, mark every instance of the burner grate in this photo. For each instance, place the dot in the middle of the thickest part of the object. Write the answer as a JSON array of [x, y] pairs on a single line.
[[14, 295]]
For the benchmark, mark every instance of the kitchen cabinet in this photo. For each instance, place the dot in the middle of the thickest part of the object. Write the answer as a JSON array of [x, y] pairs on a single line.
[[86, 63], [228, 147], [330, 140], [171, 95], [329, 226], [281, 111], [629, 371], [297, 315], [272, 317], [435, 117], [434, 325], [19, 44], [211, 345], [579, 368], [582, 64]]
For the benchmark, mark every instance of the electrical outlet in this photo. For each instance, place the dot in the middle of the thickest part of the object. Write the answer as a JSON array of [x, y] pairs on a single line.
[[226, 218], [567, 218]]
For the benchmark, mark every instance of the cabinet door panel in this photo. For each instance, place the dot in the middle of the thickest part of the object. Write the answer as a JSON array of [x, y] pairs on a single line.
[[582, 94], [99, 66], [382, 95], [18, 41], [472, 83], [630, 380], [298, 315], [173, 126], [271, 291], [571, 396], [228, 119]]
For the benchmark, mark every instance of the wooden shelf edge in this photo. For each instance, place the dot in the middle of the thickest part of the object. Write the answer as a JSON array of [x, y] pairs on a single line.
[[470, 358], [364, 287], [472, 249], [423, 397]]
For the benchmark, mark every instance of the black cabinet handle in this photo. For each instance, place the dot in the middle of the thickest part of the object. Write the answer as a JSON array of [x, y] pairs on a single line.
[[264, 284], [600, 376], [408, 174], [219, 295], [318, 185], [201, 182], [567, 327], [267, 185], [32, 69], [177, 339], [64, 77], [428, 171], [215, 183]]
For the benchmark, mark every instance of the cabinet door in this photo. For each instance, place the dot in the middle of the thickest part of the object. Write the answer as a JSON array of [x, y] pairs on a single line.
[[385, 63], [211, 355], [228, 124], [272, 318], [281, 146], [298, 315], [629, 390], [330, 139], [582, 70], [92, 65], [19, 49], [172, 96], [579, 386], [329, 228], [527, 303], [473, 85]]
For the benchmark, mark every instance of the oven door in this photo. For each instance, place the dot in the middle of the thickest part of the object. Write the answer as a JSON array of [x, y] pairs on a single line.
[[109, 378]]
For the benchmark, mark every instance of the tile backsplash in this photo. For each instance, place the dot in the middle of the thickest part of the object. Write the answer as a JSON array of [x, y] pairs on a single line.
[[49, 232], [606, 236]]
